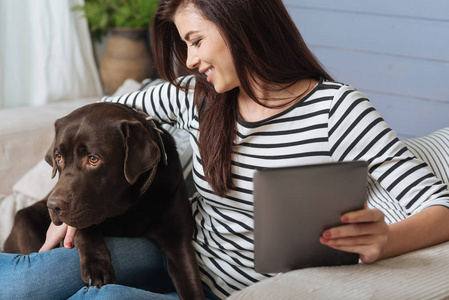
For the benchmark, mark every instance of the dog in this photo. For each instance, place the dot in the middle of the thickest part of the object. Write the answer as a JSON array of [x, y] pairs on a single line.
[[119, 175]]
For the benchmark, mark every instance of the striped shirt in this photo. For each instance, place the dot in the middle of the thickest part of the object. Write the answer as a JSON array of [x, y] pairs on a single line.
[[334, 122]]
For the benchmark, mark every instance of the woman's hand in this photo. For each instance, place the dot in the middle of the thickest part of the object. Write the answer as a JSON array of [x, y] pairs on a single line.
[[55, 234], [366, 233]]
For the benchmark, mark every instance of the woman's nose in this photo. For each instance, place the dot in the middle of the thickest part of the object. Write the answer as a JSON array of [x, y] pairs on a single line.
[[192, 60]]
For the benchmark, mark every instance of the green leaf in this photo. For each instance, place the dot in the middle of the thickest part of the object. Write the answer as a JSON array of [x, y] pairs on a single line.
[[104, 14]]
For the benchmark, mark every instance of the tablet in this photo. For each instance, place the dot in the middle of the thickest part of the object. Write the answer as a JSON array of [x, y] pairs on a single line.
[[294, 205]]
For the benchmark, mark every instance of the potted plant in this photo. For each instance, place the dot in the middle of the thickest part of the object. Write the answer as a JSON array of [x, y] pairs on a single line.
[[126, 22]]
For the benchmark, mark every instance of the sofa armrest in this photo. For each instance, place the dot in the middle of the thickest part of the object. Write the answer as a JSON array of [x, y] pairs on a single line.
[[26, 134]]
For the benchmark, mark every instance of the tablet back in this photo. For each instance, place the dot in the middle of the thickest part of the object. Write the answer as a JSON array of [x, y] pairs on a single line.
[[294, 205]]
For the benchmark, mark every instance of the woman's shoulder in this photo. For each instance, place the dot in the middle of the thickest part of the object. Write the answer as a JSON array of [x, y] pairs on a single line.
[[338, 90], [330, 85]]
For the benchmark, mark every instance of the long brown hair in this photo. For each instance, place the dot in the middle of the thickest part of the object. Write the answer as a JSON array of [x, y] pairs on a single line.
[[265, 45]]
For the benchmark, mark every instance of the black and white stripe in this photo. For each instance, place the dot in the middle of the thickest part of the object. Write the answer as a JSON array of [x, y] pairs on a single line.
[[334, 122]]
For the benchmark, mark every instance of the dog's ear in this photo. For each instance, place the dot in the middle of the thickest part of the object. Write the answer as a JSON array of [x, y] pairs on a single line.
[[141, 152], [50, 159]]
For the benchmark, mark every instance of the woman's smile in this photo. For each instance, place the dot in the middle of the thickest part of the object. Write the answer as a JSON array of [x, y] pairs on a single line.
[[209, 74]]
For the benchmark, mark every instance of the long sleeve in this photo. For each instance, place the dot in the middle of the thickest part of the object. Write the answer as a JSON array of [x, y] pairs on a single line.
[[357, 132], [164, 101]]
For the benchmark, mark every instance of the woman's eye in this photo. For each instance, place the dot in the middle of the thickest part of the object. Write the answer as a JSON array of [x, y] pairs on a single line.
[[93, 160], [196, 43]]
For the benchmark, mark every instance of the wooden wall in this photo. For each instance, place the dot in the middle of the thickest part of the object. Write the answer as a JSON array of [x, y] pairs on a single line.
[[396, 52]]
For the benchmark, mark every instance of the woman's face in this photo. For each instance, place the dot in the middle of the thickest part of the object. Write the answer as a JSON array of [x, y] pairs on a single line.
[[207, 51]]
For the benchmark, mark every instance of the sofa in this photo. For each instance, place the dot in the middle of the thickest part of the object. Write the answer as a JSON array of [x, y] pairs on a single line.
[[26, 134]]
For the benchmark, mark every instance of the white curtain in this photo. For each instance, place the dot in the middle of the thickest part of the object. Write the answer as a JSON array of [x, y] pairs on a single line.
[[1, 66], [46, 53]]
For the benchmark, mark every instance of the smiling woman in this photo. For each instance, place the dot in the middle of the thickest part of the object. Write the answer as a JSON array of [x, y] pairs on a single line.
[[269, 62]]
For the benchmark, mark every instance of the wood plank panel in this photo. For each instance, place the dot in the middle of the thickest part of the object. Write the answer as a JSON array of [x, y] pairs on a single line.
[[396, 52], [401, 76], [431, 9], [410, 117], [416, 38]]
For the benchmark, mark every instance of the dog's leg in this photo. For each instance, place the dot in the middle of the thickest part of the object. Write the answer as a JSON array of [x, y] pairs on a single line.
[[95, 259], [29, 229], [183, 269]]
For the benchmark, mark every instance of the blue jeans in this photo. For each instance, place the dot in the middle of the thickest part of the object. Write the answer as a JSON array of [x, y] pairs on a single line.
[[139, 266]]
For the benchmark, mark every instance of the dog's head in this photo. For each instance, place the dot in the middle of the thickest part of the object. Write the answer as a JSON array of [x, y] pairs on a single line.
[[99, 150]]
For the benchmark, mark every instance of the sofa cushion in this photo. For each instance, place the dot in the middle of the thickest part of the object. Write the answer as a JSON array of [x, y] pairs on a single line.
[[417, 275]]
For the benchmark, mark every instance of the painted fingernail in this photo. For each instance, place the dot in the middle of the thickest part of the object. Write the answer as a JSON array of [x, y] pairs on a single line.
[[69, 245], [345, 219], [327, 234]]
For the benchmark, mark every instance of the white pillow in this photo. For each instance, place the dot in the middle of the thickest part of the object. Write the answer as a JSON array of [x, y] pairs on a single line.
[[433, 149]]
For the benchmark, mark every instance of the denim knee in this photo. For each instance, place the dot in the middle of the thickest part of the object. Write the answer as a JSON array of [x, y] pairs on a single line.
[[139, 263], [55, 274], [119, 292], [48, 275]]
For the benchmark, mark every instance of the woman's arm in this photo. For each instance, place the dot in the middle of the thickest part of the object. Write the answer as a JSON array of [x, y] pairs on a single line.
[[426, 228], [358, 132], [163, 101], [368, 235]]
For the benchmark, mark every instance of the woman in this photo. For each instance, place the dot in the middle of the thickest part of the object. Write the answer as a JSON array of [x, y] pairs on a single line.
[[259, 98]]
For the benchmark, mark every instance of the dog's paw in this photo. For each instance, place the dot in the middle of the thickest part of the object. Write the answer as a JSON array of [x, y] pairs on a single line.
[[97, 273]]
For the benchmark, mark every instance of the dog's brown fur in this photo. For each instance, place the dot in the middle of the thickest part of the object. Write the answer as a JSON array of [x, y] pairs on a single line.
[[102, 197]]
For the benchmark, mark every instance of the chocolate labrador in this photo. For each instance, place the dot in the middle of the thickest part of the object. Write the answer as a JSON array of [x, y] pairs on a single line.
[[119, 175]]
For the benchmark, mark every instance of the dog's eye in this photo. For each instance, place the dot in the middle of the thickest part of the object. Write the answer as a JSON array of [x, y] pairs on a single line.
[[93, 160], [58, 158]]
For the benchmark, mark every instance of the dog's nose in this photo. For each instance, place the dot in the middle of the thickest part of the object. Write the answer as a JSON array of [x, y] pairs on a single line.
[[57, 205]]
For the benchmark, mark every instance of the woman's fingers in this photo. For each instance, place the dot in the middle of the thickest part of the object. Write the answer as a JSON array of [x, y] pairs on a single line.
[[362, 240], [70, 235], [55, 234], [365, 233], [356, 229], [363, 215]]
